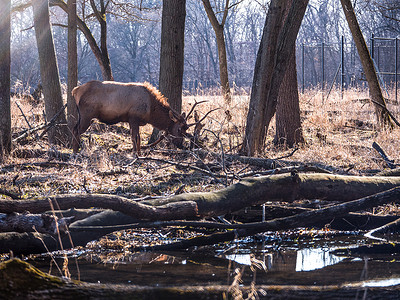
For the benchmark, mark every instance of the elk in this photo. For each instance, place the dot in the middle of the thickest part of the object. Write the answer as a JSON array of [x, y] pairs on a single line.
[[136, 103]]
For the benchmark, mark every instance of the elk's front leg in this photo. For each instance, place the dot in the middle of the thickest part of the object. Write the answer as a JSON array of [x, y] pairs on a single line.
[[82, 125], [135, 137]]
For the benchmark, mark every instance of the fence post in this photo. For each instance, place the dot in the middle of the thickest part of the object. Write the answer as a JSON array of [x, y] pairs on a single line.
[[372, 46], [322, 69], [342, 64], [302, 67], [396, 63]]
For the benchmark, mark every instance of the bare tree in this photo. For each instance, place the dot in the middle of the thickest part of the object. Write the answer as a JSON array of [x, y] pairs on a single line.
[[101, 18], [5, 107], [49, 72], [276, 46], [100, 52], [368, 64], [221, 44]]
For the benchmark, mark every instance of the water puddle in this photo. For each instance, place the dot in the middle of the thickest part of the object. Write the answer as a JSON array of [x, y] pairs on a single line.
[[301, 262]]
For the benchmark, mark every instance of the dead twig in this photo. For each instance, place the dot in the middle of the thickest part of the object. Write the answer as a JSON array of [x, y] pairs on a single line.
[[53, 121], [182, 165], [44, 164], [29, 132]]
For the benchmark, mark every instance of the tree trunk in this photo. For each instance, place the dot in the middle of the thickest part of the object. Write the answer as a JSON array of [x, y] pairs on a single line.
[[172, 47], [72, 112], [254, 135], [5, 106], [49, 71], [367, 63], [276, 46], [288, 124], [221, 44], [172, 55]]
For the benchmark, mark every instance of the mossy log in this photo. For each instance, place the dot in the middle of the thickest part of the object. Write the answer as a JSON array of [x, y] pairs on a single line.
[[20, 280]]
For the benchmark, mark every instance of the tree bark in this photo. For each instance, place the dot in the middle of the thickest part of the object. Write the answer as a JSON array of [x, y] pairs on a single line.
[[5, 105], [26, 222], [276, 46], [221, 45], [128, 206], [172, 47], [287, 118], [72, 112], [368, 64], [49, 71]]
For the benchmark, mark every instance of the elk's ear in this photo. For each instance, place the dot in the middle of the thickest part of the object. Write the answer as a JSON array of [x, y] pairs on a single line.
[[183, 115], [172, 116]]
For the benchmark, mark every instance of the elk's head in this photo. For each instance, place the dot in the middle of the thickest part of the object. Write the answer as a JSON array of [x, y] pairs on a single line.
[[178, 128]]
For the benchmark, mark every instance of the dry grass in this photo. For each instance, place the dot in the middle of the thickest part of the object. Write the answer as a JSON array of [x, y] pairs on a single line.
[[338, 132]]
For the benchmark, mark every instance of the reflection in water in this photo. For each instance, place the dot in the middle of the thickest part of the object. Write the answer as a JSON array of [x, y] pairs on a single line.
[[283, 266], [243, 259], [307, 259], [310, 259], [382, 283]]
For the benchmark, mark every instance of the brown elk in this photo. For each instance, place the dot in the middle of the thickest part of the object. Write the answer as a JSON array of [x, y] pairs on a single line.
[[136, 103]]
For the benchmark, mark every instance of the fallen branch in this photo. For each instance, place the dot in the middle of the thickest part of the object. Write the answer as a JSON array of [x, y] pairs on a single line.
[[268, 163], [383, 229], [10, 194], [42, 223], [382, 153]]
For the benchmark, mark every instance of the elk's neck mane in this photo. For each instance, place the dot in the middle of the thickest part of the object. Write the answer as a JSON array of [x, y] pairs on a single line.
[[160, 107], [160, 98]]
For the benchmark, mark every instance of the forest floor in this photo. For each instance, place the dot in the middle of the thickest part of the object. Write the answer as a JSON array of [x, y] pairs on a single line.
[[339, 133]]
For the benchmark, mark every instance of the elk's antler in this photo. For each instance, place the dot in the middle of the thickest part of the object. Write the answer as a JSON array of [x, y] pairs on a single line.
[[194, 105], [205, 116]]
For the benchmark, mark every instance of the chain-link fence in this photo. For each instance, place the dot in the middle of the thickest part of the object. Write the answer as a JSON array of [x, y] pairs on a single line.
[[327, 65]]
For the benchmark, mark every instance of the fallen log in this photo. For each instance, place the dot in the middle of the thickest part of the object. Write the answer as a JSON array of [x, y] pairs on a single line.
[[117, 203], [283, 187], [248, 192]]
